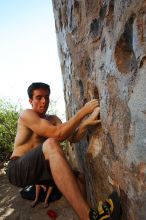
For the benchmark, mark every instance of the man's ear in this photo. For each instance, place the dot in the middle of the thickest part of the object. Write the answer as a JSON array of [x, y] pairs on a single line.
[[30, 101]]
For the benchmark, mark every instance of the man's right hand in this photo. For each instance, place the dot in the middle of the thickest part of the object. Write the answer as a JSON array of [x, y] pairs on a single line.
[[93, 118], [90, 106], [89, 121]]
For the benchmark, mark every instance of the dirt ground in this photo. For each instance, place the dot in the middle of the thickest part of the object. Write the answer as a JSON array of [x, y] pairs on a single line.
[[14, 207]]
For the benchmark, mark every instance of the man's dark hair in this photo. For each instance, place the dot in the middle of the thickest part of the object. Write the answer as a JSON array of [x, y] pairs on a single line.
[[37, 85]]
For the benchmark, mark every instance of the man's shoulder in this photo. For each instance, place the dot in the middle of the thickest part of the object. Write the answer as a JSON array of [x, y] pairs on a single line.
[[26, 114], [27, 111], [54, 119]]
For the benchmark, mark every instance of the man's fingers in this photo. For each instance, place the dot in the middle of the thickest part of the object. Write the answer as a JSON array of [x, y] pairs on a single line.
[[95, 113], [96, 122], [91, 106], [93, 101]]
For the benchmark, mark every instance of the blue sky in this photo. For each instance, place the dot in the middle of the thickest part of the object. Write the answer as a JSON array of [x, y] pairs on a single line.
[[28, 49]]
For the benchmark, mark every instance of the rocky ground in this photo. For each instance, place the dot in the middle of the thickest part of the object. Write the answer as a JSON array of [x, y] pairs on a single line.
[[14, 207]]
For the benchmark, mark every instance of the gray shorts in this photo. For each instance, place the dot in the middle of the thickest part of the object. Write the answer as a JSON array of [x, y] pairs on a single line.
[[30, 169]]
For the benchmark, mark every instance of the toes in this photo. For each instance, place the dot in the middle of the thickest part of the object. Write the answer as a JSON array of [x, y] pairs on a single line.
[[34, 203]]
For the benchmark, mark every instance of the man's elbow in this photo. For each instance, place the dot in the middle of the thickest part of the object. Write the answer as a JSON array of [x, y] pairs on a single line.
[[60, 139], [60, 136]]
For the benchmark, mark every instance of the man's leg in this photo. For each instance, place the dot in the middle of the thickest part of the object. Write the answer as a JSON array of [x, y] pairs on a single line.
[[64, 178]]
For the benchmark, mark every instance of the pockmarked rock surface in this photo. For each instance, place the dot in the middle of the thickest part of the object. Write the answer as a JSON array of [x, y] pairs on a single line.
[[102, 50], [14, 207]]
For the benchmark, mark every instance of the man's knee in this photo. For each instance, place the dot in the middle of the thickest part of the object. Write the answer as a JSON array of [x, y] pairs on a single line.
[[50, 142], [51, 146]]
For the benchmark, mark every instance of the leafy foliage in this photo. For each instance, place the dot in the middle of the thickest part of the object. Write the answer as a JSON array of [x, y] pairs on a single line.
[[9, 114]]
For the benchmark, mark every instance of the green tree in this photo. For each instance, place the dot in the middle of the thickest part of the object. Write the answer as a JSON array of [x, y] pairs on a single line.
[[9, 114]]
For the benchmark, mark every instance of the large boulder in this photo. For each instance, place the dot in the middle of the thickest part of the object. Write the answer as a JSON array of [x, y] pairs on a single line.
[[102, 50]]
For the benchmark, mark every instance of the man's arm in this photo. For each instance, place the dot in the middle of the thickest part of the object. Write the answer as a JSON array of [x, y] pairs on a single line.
[[80, 132], [60, 132]]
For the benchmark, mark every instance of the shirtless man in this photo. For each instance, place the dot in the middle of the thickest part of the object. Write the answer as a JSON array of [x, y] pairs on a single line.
[[38, 158]]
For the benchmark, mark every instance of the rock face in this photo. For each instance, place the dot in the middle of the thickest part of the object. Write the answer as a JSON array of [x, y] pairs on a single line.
[[102, 50]]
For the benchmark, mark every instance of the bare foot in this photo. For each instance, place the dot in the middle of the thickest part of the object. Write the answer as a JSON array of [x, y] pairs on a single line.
[[46, 205], [34, 203]]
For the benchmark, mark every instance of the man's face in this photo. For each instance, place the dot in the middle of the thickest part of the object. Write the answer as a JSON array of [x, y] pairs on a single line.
[[40, 101]]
